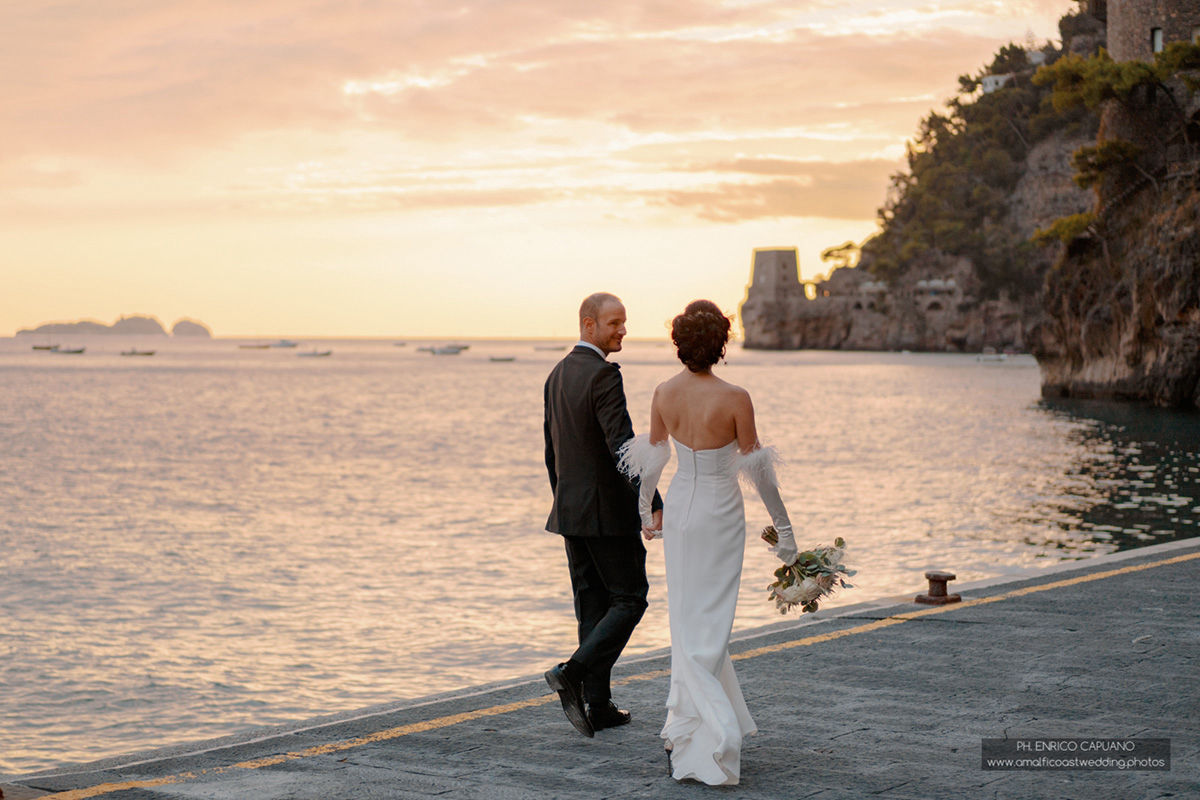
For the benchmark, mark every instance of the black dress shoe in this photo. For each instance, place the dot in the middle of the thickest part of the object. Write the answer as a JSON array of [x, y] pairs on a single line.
[[607, 715], [570, 693]]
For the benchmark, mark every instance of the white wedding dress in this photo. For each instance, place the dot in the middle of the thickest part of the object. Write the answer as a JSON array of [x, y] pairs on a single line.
[[704, 531]]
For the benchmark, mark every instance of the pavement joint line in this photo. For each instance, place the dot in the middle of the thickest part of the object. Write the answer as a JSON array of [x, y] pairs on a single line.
[[507, 708]]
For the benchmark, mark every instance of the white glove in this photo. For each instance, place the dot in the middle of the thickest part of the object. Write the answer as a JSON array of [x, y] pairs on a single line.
[[758, 467], [786, 548]]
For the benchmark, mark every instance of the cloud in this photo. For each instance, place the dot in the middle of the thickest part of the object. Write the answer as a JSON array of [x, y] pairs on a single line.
[[407, 104], [837, 191]]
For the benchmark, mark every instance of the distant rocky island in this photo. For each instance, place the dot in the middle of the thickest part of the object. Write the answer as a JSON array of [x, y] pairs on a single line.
[[125, 326]]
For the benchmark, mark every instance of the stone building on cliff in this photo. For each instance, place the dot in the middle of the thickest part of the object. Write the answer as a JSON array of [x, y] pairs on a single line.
[[1137, 29]]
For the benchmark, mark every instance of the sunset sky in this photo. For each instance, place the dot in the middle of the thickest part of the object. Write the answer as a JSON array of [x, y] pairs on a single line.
[[438, 168]]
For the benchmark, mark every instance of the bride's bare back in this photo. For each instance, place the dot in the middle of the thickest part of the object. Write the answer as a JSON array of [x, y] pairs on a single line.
[[702, 412]]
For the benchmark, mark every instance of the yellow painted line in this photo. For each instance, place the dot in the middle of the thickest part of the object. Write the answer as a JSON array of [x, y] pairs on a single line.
[[911, 615], [492, 711]]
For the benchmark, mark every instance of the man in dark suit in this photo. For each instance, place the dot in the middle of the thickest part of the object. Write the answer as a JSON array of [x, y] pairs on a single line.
[[595, 511]]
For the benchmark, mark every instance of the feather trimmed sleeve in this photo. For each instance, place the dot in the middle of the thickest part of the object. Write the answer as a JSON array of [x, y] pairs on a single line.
[[757, 468], [643, 462]]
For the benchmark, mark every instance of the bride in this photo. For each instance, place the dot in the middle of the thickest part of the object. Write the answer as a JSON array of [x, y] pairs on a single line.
[[704, 529]]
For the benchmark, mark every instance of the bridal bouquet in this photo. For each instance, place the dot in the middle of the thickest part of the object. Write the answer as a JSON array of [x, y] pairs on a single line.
[[817, 573]]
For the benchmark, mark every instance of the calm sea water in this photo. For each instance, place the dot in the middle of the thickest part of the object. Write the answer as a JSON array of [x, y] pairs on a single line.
[[215, 538]]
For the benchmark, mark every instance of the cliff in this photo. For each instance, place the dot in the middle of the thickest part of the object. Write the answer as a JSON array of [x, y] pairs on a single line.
[[1123, 303], [952, 267], [938, 302], [1124, 311]]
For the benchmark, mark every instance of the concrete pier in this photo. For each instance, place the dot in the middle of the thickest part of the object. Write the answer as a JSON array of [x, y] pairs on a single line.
[[888, 701]]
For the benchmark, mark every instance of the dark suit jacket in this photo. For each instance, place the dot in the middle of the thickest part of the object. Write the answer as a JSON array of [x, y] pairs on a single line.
[[586, 423]]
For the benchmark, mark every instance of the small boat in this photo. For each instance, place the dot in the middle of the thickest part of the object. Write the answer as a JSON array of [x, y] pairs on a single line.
[[69, 351], [502, 358], [990, 354], [446, 350], [45, 347], [285, 343], [135, 352], [549, 347], [316, 354], [399, 344], [254, 346]]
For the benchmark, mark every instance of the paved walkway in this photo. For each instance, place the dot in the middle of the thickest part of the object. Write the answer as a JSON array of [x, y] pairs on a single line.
[[875, 702]]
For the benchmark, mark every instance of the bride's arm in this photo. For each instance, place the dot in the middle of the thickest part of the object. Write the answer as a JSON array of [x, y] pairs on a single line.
[[758, 467], [644, 457]]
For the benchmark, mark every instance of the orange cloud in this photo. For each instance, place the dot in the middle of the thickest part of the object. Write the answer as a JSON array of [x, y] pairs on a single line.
[[563, 94], [837, 191]]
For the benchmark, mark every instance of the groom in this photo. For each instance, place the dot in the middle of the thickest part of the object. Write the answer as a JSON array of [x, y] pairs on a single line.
[[595, 511]]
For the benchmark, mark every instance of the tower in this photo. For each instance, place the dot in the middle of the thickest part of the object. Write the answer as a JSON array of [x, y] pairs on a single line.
[[772, 298]]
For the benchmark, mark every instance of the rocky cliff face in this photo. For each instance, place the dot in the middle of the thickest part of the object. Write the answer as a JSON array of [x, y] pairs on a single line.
[[1123, 311], [937, 305], [1123, 304]]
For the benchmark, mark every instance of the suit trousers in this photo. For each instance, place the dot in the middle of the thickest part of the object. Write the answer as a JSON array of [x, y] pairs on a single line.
[[608, 578]]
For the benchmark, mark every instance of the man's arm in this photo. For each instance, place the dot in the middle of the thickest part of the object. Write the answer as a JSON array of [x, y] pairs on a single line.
[[550, 465], [608, 397]]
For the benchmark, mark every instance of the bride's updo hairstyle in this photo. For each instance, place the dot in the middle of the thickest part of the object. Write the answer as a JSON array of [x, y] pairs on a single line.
[[700, 334]]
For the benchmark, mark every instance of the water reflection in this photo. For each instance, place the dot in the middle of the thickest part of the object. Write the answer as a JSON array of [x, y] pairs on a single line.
[[1134, 478]]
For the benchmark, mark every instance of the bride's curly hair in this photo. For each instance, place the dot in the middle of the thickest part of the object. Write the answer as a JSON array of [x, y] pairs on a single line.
[[700, 334]]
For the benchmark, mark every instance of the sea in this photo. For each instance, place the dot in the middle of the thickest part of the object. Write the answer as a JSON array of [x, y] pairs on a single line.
[[216, 538]]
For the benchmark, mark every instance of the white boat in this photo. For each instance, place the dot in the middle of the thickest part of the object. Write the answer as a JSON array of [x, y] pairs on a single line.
[[990, 354], [316, 354], [446, 350], [69, 351], [284, 343]]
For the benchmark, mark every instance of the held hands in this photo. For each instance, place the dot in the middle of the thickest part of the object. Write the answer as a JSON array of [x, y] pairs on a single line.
[[654, 529]]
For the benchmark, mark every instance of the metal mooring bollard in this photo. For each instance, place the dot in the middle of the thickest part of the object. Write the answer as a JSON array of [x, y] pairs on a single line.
[[937, 589]]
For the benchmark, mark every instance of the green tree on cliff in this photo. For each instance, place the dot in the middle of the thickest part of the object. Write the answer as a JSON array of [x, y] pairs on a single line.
[[1115, 165], [963, 164]]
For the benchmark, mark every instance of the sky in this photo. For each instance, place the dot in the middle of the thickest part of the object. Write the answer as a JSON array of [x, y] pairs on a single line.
[[436, 168]]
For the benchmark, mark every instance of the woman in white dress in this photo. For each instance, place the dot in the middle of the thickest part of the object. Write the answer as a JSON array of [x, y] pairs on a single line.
[[704, 529]]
